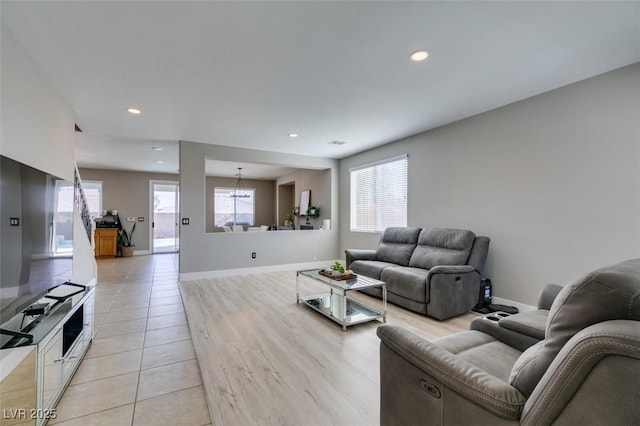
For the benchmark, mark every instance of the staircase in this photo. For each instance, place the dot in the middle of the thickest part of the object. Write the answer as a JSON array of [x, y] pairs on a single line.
[[85, 268]]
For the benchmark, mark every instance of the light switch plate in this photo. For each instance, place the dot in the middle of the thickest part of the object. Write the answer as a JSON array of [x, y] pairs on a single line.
[[131, 219]]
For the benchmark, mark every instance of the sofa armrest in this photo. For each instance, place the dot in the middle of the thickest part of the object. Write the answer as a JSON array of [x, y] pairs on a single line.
[[351, 255], [600, 363], [451, 290], [548, 295], [453, 372], [451, 269], [509, 336]]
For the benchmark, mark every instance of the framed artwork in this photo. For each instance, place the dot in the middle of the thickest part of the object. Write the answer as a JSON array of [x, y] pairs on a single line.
[[305, 198]]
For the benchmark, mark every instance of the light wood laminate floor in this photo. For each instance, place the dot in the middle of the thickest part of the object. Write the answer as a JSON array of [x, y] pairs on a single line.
[[266, 360]]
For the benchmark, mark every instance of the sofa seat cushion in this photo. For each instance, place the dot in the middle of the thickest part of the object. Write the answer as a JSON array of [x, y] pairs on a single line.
[[370, 268], [442, 246], [407, 282], [397, 245], [483, 351]]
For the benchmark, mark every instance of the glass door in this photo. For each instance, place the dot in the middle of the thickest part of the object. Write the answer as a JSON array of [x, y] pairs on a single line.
[[164, 219]]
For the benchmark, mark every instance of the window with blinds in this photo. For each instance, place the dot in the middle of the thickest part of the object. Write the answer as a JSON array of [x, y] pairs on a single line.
[[232, 206], [379, 195]]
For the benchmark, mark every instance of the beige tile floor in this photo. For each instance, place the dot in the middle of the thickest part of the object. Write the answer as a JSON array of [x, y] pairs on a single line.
[[141, 368]]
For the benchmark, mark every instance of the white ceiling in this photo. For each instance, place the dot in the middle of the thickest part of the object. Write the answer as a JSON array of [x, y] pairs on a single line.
[[247, 73]]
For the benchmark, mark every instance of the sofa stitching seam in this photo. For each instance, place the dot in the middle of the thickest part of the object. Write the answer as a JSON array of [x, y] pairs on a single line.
[[555, 383]]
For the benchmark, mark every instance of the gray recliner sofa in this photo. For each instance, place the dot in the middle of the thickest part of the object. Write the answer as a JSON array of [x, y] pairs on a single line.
[[430, 271], [585, 371]]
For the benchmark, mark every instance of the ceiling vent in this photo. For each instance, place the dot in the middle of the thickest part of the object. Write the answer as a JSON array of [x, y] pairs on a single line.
[[336, 143]]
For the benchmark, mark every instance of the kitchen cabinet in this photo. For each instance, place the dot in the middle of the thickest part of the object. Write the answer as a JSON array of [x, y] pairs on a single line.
[[36, 373], [106, 240]]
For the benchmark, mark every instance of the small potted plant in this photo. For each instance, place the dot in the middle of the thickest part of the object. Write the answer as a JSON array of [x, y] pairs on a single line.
[[337, 269], [313, 211], [126, 241], [289, 220]]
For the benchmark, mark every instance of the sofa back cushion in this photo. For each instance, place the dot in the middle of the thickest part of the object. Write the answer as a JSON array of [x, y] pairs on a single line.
[[608, 293], [397, 244], [442, 246], [479, 252]]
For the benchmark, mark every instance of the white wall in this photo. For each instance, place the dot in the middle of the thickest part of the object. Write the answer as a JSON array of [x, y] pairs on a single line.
[[202, 252], [554, 180], [85, 267], [37, 129], [129, 193], [318, 182], [37, 124]]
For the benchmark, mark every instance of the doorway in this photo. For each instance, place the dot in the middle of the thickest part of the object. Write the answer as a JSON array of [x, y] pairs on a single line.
[[286, 201], [165, 201]]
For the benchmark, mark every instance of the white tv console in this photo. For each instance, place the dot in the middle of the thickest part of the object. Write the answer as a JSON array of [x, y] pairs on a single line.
[[34, 374]]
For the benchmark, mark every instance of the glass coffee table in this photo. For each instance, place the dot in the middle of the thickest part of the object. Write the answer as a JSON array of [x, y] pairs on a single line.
[[336, 305]]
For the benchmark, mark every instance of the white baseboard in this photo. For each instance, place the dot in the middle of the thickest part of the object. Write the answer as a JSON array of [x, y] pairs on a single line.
[[141, 252], [188, 276], [521, 306]]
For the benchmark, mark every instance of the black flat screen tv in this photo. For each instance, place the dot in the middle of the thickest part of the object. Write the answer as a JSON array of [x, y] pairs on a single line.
[[36, 235]]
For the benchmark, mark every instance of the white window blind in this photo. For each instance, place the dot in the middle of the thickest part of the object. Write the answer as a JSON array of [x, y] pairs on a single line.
[[379, 195], [230, 210]]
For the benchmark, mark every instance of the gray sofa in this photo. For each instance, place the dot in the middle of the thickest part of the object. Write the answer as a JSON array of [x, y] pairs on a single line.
[[430, 271], [585, 371]]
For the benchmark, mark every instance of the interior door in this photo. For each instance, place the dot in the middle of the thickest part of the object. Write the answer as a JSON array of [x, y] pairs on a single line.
[[164, 219]]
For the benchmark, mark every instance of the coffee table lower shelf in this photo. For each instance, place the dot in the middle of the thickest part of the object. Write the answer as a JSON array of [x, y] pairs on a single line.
[[331, 306]]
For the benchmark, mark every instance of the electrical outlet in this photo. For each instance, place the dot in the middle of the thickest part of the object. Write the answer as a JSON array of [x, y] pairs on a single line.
[[131, 219], [253, 255], [185, 220]]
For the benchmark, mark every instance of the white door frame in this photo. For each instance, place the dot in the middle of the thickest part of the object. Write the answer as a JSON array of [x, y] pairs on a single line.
[[153, 182]]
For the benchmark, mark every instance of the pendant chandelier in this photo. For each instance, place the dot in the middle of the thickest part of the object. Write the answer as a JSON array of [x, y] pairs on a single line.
[[239, 191]]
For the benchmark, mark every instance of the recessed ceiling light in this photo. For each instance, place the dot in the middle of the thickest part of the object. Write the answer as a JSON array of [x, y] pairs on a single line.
[[159, 162], [293, 135], [419, 55], [157, 148], [133, 111]]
